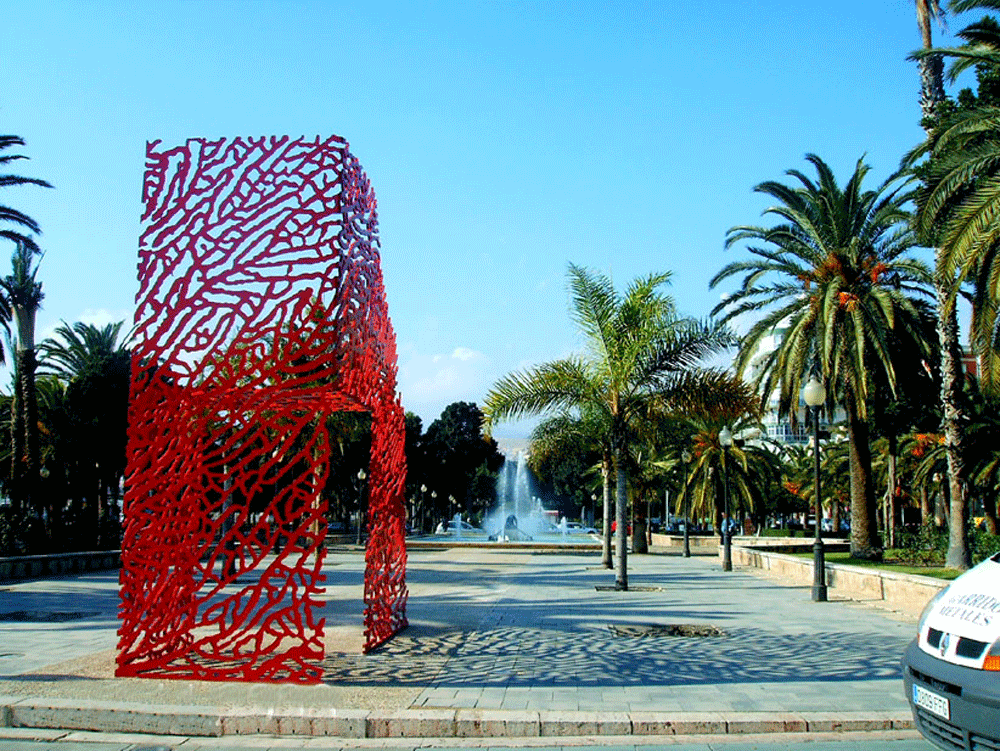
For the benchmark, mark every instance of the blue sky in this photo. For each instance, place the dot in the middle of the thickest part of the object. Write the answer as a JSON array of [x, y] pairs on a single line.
[[503, 140]]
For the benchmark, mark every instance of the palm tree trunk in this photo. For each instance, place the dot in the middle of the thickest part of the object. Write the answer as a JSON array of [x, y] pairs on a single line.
[[30, 401], [931, 94], [931, 81], [606, 492], [24, 317], [893, 516], [16, 442], [621, 520], [959, 556], [640, 528], [865, 543], [25, 409]]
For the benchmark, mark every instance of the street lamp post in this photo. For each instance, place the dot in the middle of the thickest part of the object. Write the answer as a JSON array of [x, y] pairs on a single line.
[[361, 502], [686, 458], [423, 507], [593, 509], [726, 441], [814, 396]]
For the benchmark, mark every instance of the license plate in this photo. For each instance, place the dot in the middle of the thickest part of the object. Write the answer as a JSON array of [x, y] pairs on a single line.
[[932, 702]]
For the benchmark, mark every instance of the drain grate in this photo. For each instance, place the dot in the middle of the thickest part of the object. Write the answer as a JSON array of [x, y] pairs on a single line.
[[38, 616], [694, 630]]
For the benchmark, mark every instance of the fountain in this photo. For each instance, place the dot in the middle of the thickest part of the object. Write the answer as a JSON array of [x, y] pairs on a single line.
[[517, 515]]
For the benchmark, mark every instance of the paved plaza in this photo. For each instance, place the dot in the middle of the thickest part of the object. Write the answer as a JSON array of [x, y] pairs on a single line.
[[511, 630]]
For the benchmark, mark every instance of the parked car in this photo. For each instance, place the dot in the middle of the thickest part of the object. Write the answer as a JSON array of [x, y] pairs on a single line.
[[575, 528], [951, 670]]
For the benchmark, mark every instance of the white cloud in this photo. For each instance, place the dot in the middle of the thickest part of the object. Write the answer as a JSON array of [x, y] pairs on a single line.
[[103, 316], [465, 354], [99, 317]]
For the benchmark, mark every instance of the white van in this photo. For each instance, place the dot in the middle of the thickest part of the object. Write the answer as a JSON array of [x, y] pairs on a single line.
[[952, 669]]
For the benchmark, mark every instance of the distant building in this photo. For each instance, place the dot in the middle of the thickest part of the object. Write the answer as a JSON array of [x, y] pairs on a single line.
[[779, 428], [970, 363]]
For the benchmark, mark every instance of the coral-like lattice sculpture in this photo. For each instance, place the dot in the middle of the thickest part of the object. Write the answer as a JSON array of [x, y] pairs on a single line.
[[260, 312]]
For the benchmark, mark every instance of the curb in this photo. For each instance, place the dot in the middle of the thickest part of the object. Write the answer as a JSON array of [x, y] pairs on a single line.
[[201, 721]]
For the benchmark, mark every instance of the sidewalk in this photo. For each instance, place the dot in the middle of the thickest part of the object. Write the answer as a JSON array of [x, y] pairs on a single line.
[[501, 642]]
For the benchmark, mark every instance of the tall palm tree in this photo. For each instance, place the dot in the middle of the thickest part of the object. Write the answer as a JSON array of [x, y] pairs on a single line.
[[964, 152], [639, 352], [833, 271], [23, 424]]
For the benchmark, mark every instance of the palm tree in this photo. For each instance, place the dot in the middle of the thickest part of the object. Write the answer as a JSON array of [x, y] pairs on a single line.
[[700, 426], [748, 469], [931, 95], [959, 206], [963, 153], [640, 352], [10, 215], [915, 403], [82, 350], [833, 272], [24, 414], [95, 366], [834, 475]]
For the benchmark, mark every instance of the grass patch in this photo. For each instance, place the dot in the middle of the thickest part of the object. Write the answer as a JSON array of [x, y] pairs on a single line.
[[889, 564], [807, 534]]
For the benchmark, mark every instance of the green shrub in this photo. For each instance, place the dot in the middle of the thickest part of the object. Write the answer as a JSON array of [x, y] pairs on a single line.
[[927, 546], [983, 545], [8, 538]]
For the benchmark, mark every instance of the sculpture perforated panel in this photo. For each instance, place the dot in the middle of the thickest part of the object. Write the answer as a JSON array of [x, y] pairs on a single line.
[[261, 312]]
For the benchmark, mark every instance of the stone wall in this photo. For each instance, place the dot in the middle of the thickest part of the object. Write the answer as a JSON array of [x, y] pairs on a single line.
[[907, 593], [35, 566]]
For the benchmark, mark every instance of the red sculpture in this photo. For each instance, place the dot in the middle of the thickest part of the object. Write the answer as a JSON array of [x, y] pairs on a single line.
[[260, 312]]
